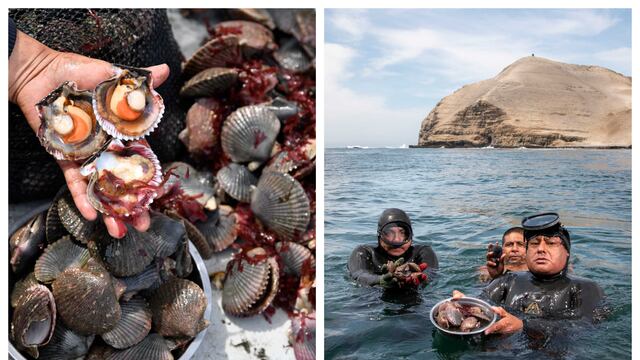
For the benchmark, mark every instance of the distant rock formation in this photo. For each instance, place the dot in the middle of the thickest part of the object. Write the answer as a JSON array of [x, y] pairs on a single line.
[[535, 102]]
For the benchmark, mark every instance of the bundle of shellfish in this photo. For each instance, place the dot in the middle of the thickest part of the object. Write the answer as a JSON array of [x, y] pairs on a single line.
[[79, 293], [249, 181], [93, 124]]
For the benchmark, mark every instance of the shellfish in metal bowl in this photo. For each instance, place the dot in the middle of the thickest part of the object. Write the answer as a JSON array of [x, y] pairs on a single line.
[[124, 179], [126, 106], [464, 316], [69, 130]]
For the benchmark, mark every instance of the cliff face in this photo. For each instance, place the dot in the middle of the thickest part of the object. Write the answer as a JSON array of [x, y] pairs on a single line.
[[535, 102]]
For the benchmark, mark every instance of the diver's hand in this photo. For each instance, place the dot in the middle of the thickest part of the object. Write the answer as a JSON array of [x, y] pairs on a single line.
[[457, 295], [34, 71], [508, 324], [410, 274], [388, 281], [494, 269]]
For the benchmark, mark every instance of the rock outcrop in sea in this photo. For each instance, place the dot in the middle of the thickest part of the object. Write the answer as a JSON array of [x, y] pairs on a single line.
[[535, 102]]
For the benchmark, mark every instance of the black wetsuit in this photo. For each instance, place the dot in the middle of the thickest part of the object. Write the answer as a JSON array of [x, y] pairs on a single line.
[[560, 297], [365, 263]]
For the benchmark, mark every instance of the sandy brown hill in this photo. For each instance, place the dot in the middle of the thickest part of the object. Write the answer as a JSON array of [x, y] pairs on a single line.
[[535, 102]]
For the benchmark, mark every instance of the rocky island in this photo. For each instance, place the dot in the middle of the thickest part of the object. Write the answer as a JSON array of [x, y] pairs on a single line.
[[535, 102]]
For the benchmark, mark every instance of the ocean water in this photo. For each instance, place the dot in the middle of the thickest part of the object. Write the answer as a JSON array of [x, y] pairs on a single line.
[[460, 200]]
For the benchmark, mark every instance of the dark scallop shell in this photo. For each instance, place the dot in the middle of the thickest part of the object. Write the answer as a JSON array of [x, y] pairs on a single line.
[[237, 180], [26, 243], [294, 256], [178, 308], [210, 83], [66, 344], [59, 256], [248, 134], [34, 319], [221, 51], [134, 324], [71, 218], [220, 229]]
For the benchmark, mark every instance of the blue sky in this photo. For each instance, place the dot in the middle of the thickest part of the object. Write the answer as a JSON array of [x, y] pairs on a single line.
[[386, 69]]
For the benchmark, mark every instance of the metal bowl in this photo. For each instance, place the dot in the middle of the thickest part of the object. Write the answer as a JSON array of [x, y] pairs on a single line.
[[202, 280], [466, 301]]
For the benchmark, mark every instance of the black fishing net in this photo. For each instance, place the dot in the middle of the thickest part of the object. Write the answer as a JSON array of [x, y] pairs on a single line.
[[134, 37]]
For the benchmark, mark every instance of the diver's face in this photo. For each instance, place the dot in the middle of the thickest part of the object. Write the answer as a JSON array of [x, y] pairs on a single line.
[[514, 249], [395, 235], [546, 255]]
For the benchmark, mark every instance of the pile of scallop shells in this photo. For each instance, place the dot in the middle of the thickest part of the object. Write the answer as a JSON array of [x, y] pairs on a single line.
[[249, 181], [79, 293]]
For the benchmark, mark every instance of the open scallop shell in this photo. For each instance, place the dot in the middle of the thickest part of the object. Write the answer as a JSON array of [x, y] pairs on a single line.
[[236, 180], [59, 256], [34, 319], [66, 344], [86, 300], [60, 122], [178, 308], [279, 201], [221, 51], [71, 218], [210, 83], [150, 114], [124, 179], [294, 256], [220, 229], [134, 324], [250, 287], [248, 134]]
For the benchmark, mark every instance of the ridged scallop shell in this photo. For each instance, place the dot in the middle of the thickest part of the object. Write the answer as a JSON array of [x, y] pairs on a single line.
[[260, 16], [59, 256], [249, 288], [236, 180], [210, 83], [137, 196], [72, 220], [294, 256], [195, 236], [148, 279], [66, 344], [134, 324], [165, 234], [152, 347], [221, 51], [52, 141], [248, 134], [34, 319], [292, 58], [283, 108], [219, 230], [184, 262], [21, 288], [279, 201], [86, 301], [194, 183], [254, 37], [26, 243], [127, 256], [303, 336], [54, 229], [122, 129], [297, 162], [178, 308]]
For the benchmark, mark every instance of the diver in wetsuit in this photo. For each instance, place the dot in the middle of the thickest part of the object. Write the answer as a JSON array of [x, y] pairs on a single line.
[[545, 296], [381, 264]]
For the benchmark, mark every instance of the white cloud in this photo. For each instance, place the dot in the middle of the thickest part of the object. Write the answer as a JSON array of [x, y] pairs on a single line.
[[619, 58], [353, 23]]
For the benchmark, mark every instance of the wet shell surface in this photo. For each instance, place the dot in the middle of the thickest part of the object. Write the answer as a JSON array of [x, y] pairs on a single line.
[[127, 256], [248, 134], [292, 58], [26, 243], [196, 237], [149, 279], [220, 229], [21, 287], [210, 83], [54, 229], [221, 51], [86, 301], [66, 344], [294, 256], [237, 180], [71, 218], [59, 256], [279, 201], [152, 347], [126, 106], [68, 128], [34, 319], [249, 288], [164, 234], [134, 324], [194, 183], [178, 308], [254, 37], [200, 136], [124, 179], [184, 262], [303, 336]]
